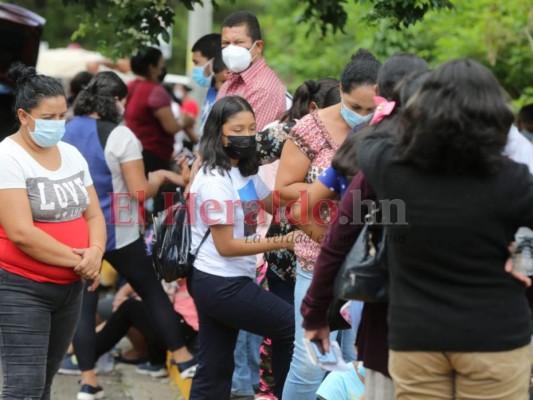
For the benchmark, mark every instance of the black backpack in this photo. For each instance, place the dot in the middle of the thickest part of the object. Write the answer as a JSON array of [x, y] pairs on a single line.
[[171, 242]]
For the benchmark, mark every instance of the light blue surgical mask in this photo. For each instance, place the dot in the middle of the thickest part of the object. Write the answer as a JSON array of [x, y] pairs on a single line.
[[353, 118], [47, 132], [200, 78]]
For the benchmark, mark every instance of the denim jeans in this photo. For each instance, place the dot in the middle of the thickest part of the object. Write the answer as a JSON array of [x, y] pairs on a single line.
[[225, 306], [356, 309], [347, 337], [246, 372], [304, 378], [37, 323]]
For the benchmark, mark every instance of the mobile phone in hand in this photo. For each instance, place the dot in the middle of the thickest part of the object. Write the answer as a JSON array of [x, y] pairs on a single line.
[[191, 158], [183, 155], [321, 358]]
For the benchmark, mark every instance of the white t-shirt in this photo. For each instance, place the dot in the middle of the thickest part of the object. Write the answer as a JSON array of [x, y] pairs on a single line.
[[54, 196], [219, 200], [519, 149], [122, 146]]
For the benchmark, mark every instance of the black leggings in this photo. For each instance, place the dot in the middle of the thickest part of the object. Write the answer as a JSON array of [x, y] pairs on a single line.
[[153, 163], [132, 313], [134, 265]]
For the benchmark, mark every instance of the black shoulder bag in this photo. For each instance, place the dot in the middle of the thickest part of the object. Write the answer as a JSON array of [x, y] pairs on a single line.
[[364, 274]]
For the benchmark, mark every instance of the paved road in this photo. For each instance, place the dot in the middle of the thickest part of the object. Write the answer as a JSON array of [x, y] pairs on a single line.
[[123, 383]]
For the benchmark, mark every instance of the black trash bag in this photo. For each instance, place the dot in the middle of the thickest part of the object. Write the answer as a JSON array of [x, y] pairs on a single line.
[[171, 242]]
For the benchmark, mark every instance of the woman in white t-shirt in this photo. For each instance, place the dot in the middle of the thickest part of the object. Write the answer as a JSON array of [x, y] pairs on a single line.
[[115, 160], [52, 234], [225, 198]]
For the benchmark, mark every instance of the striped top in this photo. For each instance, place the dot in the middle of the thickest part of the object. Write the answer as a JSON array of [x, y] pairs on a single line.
[[260, 86]]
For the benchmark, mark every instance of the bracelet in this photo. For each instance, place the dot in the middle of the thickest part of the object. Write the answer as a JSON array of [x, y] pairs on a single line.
[[98, 247]]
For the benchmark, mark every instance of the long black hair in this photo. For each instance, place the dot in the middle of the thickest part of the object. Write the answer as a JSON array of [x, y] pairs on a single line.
[[457, 122], [212, 150], [31, 88], [99, 96]]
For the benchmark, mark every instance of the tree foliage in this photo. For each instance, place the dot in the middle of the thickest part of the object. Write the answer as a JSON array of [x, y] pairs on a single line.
[[125, 25], [490, 31]]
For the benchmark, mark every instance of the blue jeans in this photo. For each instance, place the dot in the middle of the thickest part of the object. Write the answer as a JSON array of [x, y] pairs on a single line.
[[37, 323], [346, 338], [356, 309], [304, 378], [246, 372]]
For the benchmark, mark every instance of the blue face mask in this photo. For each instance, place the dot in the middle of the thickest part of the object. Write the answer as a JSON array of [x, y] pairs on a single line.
[[353, 118], [200, 78], [47, 132]]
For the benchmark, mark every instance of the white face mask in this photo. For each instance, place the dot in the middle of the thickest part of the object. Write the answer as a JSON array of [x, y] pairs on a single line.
[[237, 58], [178, 94]]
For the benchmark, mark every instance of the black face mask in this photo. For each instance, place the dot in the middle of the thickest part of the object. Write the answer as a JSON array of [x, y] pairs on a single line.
[[240, 147]]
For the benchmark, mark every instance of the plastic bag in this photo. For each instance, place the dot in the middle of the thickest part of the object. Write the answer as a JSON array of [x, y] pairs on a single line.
[[171, 243]]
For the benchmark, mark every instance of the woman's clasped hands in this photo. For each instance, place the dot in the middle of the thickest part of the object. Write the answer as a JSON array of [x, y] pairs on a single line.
[[90, 264]]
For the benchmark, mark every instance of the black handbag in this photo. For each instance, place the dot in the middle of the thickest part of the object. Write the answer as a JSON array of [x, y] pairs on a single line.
[[336, 321], [171, 243], [364, 274]]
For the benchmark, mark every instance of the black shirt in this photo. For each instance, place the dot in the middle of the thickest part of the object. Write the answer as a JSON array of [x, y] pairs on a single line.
[[449, 290]]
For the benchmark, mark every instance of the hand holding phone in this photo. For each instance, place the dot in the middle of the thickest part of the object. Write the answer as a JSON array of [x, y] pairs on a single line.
[[330, 361], [317, 352], [185, 155]]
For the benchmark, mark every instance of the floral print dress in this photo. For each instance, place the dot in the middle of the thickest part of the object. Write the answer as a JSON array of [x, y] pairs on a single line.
[[313, 140], [269, 146]]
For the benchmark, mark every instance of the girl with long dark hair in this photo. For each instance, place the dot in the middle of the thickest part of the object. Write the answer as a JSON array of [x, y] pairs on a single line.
[[226, 195]]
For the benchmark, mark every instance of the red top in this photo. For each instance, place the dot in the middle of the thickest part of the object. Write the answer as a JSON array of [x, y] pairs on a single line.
[[190, 107], [261, 87], [73, 233], [143, 100]]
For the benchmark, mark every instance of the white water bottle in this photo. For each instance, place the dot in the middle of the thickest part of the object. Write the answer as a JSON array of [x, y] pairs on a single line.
[[523, 257]]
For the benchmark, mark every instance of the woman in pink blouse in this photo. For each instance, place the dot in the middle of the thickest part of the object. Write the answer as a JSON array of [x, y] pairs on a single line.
[[308, 152]]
